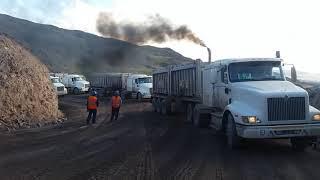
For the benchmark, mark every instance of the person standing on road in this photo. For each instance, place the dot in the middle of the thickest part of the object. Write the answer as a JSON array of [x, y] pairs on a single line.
[[92, 106], [115, 105]]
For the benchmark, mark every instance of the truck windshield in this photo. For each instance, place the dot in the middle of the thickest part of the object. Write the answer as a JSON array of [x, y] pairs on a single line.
[[256, 71], [55, 80], [77, 79], [144, 80]]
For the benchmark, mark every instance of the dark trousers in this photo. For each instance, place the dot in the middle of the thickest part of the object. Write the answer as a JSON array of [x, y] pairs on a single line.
[[93, 114], [115, 113]]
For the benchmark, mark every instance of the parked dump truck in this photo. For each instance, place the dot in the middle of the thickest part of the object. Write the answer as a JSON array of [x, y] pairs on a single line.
[[244, 98], [75, 83], [130, 85], [58, 86]]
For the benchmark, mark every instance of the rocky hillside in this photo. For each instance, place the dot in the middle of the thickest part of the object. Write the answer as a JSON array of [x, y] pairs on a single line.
[[76, 51]]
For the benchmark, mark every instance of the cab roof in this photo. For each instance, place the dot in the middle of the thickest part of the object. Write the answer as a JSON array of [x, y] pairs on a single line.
[[233, 60]]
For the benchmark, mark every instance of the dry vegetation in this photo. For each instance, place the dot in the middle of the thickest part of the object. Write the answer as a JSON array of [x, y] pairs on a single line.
[[26, 94]]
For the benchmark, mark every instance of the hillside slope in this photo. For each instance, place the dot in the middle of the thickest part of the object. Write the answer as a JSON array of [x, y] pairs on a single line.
[[76, 51]]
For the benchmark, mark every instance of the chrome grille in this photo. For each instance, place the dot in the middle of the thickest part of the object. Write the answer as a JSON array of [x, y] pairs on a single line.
[[86, 85], [286, 108], [61, 88]]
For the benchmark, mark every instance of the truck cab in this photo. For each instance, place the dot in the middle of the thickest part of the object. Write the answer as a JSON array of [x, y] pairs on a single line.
[[75, 83], [140, 84], [58, 86], [256, 101]]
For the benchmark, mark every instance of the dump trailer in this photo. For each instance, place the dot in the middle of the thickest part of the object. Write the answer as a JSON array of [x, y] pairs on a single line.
[[246, 98], [130, 85]]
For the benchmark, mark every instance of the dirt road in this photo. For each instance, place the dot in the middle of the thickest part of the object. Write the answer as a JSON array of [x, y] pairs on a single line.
[[143, 145]]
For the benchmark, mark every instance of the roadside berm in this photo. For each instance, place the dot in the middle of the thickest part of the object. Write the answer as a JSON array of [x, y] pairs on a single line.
[[27, 98]]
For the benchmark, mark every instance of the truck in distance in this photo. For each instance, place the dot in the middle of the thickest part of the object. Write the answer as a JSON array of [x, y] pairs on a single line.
[[246, 98], [130, 85], [58, 86], [75, 83]]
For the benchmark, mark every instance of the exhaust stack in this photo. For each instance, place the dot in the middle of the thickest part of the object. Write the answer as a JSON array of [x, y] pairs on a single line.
[[278, 54], [209, 55]]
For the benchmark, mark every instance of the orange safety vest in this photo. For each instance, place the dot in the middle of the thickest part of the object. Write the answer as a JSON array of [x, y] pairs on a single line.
[[115, 101], [92, 102]]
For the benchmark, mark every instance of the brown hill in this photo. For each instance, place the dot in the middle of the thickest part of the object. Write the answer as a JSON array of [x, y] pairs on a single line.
[[75, 51]]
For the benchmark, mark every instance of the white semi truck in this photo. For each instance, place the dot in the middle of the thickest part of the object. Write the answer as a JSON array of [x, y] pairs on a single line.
[[244, 98], [58, 86], [75, 83], [130, 85]]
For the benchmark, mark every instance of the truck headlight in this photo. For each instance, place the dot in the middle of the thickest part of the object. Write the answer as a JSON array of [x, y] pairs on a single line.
[[250, 119], [316, 117]]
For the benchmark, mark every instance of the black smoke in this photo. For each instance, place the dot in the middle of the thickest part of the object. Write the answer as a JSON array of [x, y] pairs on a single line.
[[154, 29]]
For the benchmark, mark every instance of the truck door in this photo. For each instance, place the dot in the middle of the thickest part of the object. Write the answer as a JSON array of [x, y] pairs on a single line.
[[221, 90]]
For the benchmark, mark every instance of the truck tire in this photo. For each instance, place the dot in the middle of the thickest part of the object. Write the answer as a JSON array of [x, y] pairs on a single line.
[[154, 104], [189, 113], [233, 140], [158, 105], [299, 144], [201, 120], [139, 97], [76, 91], [163, 106], [173, 107], [196, 117]]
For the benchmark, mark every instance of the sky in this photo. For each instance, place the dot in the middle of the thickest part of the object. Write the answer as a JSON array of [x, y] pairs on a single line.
[[231, 28]]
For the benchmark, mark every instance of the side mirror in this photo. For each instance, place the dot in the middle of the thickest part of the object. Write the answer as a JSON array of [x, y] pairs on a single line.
[[225, 77], [293, 74]]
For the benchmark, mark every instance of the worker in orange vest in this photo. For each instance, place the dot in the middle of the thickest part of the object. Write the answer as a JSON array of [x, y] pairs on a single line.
[[115, 105], [92, 106]]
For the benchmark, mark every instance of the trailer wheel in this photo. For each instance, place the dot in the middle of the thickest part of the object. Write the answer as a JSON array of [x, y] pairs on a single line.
[[163, 107], [196, 117], [233, 139], [158, 105], [173, 107], [299, 144], [154, 104], [189, 112]]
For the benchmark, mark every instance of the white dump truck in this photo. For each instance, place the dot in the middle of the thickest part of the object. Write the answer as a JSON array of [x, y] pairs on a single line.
[[75, 83], [130, 85], [244, 98], [58, 86]]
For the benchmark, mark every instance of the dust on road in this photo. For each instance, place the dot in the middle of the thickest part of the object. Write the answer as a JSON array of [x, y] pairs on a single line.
[[142, 145]]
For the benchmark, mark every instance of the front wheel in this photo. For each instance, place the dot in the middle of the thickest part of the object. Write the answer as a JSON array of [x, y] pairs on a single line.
[[233, 140], [76, 91], [139, 97]]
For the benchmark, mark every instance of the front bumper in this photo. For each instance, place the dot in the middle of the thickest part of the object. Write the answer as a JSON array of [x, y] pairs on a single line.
[[84, 89], [146, 96], [61, 93], [278, 131]]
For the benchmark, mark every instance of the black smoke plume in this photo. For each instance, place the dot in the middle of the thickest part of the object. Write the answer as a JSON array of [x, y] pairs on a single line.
[[154, 29]]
